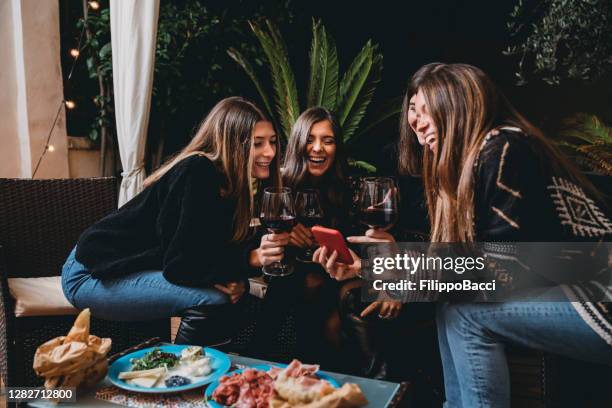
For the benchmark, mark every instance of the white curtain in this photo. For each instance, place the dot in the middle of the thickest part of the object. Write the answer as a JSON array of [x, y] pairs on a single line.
[[133, 37]]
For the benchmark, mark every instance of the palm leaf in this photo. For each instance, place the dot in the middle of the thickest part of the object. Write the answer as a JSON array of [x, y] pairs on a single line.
[[316, 49], [587, 128], [248, 68], [590, 139], [353, 80], [324, 67], [290, 104], [283, 80], [363, 165], [364, 97]]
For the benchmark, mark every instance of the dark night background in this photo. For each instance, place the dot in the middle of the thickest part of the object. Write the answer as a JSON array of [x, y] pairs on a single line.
[[410, 34]]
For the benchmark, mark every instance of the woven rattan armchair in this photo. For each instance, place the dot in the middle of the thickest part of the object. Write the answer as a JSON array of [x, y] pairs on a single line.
[[40, 221]]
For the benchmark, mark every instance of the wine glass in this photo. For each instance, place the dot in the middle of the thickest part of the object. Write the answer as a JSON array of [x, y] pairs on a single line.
[[278, 215], [309, 213], [378, 203]]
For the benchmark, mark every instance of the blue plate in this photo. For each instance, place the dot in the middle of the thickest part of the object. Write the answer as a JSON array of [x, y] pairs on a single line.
[[220, 364], [213, 386]]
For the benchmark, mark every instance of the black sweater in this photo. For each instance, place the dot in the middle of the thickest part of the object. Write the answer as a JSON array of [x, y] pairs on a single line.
[[180, 224], [520, 198]]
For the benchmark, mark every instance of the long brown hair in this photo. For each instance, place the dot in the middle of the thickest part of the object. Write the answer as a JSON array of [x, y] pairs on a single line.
[[295, 165], [465, 105], [410, 152], [224, 137]]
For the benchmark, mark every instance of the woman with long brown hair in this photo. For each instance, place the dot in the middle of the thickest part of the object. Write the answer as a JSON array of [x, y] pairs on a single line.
[[181, 246], [490, 175], [315, 162]]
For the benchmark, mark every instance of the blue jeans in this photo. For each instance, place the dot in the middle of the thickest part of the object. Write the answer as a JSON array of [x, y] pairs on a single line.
[[472, 338], [145, 295]]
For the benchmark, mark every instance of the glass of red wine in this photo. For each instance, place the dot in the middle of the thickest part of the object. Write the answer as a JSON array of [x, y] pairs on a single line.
[[378, 203], [309, 213], [277, 214]]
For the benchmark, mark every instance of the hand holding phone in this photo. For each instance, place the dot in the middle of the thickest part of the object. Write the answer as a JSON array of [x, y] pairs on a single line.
[[334, 241]]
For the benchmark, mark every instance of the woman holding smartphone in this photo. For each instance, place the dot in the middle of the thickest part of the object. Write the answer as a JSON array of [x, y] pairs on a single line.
[[316, 161], [181, 247], [314, 170], [490, 175]]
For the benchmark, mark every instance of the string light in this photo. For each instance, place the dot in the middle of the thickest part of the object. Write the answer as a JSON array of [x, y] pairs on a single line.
[[94, 5], [75, 52]]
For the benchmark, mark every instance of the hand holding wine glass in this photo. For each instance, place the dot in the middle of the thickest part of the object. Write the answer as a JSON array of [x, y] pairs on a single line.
[[310, 213], [378, 203], [278, 215]]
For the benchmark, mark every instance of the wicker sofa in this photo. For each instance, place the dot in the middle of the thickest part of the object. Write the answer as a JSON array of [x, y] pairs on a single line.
[[40, 221]]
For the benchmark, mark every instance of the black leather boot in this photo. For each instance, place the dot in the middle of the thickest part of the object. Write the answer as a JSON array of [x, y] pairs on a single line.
[[363, 337], [208, 326]]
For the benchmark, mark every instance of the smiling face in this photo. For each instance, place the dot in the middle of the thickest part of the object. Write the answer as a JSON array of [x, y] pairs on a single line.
[[422, 123], [320, 148], [263, 149]]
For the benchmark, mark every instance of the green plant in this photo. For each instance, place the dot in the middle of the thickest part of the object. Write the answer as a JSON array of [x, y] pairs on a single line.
[[562, 39], [192, 69], [590, 140], [349, 94], [97, 47]]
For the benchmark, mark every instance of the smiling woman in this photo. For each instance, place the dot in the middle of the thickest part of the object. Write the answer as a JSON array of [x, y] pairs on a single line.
[[422, 123], [315, 158], [264, 149], [183, 247]]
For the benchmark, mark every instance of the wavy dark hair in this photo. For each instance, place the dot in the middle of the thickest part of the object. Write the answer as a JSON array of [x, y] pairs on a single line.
[[295, 166]]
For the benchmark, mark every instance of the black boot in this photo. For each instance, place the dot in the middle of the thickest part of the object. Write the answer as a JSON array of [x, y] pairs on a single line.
[[207, 326], [363, 337]]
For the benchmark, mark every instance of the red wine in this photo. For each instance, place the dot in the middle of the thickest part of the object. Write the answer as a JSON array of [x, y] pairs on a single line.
[[378, 217], [278, 225], [310, 221]]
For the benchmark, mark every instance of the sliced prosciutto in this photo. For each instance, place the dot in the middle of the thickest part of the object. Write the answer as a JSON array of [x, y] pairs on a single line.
[[249, 389]]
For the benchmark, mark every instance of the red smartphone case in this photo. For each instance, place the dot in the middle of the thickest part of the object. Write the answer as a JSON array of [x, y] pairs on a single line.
[[333, 240]]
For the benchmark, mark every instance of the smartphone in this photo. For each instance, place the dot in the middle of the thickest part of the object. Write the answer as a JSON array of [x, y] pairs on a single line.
[[333, 240]]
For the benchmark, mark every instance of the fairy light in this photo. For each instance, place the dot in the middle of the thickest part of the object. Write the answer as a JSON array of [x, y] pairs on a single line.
[[75, 53], [94, 5]]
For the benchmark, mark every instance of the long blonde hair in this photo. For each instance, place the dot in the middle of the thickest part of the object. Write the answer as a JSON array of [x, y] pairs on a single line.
[[465, 105], [224, 137]]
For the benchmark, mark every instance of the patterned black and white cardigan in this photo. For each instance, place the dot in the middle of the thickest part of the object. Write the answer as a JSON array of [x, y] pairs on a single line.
[[519, 198]]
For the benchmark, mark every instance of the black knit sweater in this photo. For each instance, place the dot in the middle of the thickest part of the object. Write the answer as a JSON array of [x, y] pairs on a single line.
[[180, 224], [520, 198]]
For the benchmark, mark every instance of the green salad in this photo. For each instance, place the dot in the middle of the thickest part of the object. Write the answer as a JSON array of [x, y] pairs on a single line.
[[154, 359]]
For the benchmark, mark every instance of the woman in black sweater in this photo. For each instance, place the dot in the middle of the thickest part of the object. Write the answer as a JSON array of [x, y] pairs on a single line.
[[182, 244], [492, 177]]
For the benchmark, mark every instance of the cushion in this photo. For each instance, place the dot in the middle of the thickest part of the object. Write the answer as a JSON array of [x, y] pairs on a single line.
[[39, 297]]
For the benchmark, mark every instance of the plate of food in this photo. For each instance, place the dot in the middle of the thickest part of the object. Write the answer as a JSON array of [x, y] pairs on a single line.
[[168, 368], [283, 386]]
